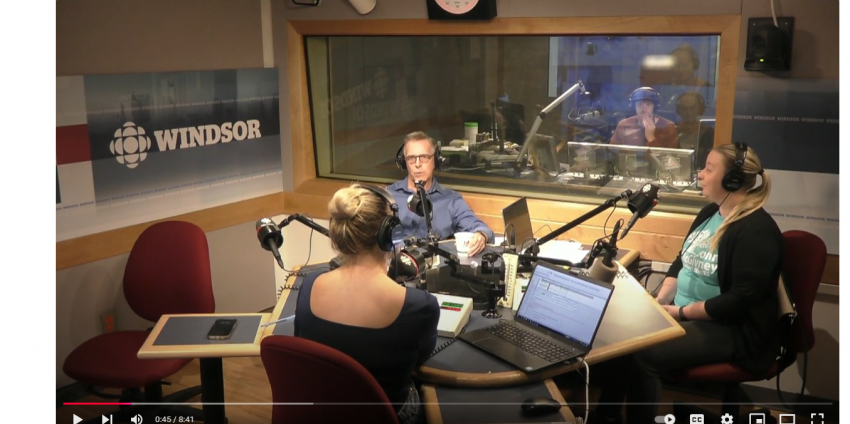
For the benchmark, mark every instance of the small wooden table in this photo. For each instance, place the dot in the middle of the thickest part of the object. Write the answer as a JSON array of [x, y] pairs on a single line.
[[185, 336]]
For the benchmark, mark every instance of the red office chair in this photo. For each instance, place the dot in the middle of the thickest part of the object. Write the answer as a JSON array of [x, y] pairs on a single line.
[[168, 272], [302, 370], [802, 273]]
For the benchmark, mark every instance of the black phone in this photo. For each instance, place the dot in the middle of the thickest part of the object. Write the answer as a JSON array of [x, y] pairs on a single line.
[[222, 329]]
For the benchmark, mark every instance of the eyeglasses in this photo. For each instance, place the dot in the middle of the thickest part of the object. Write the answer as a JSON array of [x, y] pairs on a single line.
[[422, 158]]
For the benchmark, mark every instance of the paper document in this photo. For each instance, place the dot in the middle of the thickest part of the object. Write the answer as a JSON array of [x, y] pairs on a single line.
[[559, 249]]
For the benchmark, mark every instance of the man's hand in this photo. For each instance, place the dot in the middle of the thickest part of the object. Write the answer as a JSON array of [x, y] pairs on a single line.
[[477, 244], [649, 128]]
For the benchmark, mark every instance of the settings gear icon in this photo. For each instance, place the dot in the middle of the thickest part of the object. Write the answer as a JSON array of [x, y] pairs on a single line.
[[726, 418]]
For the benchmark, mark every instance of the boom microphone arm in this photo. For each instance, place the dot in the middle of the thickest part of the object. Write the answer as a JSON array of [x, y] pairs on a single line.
[[579, 86], [306, 221], [580, 220]]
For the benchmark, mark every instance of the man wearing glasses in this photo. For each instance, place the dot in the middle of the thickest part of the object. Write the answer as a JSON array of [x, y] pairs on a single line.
[[451, 214]]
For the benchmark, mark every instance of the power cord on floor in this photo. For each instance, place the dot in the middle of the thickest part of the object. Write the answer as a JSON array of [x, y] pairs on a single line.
[[586, 375], [586, 392]]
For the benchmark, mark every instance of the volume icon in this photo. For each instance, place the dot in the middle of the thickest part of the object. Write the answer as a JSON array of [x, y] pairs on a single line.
[[137, 419]]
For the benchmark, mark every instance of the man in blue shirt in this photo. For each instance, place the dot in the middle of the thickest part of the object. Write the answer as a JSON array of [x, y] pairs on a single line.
[[451, 214]]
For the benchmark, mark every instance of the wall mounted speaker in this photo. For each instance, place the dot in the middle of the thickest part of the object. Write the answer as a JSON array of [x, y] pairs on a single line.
[[768, 45]]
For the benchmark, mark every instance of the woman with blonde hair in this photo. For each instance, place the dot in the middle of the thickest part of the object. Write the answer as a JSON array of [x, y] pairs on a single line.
[[358, 310], [722, 287]]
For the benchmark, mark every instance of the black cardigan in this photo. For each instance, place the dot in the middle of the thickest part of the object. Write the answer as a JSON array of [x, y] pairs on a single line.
[[749, 260]]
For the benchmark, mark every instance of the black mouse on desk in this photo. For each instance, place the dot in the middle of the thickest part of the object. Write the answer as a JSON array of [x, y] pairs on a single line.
[[540, 406]]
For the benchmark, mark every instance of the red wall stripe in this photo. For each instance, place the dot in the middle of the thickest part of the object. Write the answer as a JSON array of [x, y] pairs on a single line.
[[72, 144]]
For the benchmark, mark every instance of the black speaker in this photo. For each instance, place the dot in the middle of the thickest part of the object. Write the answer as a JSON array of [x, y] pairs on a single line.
[[768, 45]]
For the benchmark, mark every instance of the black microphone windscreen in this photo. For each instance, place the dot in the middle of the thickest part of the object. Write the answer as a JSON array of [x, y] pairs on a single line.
[[335, 263], [644, 200], [416, 205], [413, 202], [268, 230], [407, 266]]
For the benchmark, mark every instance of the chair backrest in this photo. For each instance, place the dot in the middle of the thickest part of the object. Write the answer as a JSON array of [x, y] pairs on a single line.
[[802, 270], [301, 370], [168, 271]]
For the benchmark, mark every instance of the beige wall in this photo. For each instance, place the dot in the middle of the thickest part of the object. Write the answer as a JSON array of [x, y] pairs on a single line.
[[111, 37], [100, 36]]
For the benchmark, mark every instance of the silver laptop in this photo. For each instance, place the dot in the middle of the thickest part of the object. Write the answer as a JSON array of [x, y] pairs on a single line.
[[557, 320]]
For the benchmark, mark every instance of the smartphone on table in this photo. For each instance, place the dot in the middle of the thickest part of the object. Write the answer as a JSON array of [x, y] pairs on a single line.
[[222, 329]]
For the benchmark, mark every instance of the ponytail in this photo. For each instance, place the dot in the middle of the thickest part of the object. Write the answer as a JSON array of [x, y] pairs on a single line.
[[756, 197]]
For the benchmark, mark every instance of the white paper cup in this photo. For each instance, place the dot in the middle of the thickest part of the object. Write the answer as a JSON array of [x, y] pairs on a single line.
[[462, 242]]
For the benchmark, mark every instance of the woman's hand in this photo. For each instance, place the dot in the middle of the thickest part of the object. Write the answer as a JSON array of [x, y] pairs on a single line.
[[667, 291], [673, 310]]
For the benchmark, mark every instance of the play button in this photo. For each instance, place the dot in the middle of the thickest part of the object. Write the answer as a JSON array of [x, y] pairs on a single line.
[[77, 419]]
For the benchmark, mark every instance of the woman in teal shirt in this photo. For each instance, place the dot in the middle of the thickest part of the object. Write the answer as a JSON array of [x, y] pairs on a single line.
[[721, 288]]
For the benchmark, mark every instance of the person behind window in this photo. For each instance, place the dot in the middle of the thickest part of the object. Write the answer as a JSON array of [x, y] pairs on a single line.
[[419, 157], [645, 128], [389, 329], [722, 288], [685, 65], [683, 76], [690, 106]]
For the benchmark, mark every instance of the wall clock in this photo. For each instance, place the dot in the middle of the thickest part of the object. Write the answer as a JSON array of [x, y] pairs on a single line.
[[461, 10]]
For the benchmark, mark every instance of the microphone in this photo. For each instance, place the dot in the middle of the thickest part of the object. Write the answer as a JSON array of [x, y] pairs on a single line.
[[640, 204], [335, 263], [605, 269], [408, 265], [591, 114], [416, 205], [270, 238]]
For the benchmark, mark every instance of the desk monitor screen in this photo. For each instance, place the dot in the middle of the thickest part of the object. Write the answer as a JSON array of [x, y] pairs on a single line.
[[676, 165], [630, 161], [513, 121], [517, 214], [587, 157]]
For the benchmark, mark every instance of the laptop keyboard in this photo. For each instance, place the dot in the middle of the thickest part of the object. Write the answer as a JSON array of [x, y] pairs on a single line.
[[531, 343]]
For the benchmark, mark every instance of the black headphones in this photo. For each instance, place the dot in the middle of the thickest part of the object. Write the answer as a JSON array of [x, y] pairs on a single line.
[[391, 228], [645, 93], [735, 177], [401, 163]]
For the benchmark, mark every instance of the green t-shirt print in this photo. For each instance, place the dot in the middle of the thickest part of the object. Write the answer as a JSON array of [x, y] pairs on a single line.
[[697, 280]]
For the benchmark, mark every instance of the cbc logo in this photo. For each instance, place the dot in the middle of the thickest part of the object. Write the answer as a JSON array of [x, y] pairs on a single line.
[[130, 145]]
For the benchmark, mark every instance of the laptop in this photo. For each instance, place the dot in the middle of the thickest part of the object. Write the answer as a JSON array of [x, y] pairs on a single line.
[[557, 320], [516, 216]]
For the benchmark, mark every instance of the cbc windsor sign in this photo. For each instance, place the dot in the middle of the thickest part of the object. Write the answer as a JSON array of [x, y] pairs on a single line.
[[131, 143]]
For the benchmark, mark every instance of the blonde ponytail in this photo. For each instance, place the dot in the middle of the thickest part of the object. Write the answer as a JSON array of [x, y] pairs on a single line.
[[756, 197]]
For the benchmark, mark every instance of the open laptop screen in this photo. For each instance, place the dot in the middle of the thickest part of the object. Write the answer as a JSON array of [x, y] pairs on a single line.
[[564, 303], [517, 214]]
